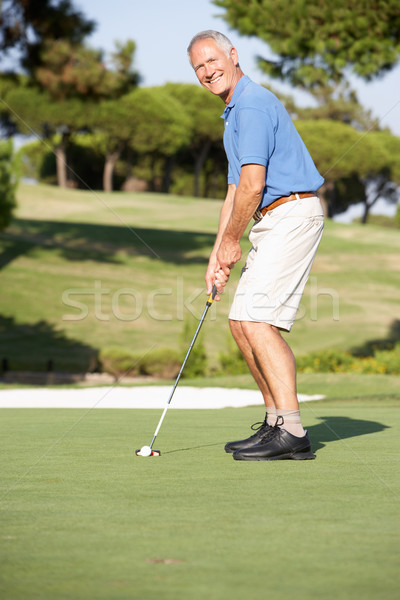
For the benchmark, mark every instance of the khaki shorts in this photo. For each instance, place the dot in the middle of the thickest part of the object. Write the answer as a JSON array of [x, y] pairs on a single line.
[[284, 244]]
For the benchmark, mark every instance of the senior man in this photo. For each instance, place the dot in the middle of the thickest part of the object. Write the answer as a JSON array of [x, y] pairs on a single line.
[[273, 180]]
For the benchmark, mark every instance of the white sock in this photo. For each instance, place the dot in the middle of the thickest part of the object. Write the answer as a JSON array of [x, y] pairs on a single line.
[[291, 421], [271, 415]]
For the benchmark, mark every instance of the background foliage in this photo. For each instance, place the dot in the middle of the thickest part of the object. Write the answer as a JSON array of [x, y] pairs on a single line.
[[86, 272], [107, 133], [96, 128], [8, 183], [316, 43]]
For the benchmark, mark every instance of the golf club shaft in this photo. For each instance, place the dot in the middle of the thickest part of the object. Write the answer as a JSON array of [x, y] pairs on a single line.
[[203, 316]]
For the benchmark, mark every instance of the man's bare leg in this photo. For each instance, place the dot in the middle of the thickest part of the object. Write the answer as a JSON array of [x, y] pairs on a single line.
[[275, 361], [277, 367], [245, 348], [270, 417]]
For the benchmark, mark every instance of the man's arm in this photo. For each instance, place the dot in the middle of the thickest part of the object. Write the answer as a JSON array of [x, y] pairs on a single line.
[[213, 265], [246, 199]]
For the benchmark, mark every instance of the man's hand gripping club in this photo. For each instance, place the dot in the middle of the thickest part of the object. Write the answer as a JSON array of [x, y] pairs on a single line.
[[220, 265], [238, 208]]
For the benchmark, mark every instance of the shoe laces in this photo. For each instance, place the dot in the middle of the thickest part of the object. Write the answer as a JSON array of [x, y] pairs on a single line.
[[273, 429], [259, 424], [279, 422], [269, 430]]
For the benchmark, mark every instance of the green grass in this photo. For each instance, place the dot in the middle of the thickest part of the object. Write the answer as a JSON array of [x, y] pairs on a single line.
[[84, 518], [84, 270], [381, 220], [331, 385]]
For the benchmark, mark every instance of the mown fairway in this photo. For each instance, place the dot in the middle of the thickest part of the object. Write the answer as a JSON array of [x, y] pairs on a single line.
[[82, 517], [82, 271]]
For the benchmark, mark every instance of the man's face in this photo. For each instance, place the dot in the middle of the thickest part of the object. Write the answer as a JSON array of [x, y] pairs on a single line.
[[216, 71]]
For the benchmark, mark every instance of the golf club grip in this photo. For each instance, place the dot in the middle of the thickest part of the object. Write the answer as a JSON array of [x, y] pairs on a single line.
[[212, 295]]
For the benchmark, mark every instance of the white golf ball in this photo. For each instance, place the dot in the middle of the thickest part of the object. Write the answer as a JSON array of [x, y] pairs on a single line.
[[145, 451]]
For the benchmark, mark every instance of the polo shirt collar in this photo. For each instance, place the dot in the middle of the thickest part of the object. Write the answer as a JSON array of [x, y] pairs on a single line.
[[241, 84]]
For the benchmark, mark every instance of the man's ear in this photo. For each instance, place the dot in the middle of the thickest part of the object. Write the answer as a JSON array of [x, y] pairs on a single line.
[[234, 56]]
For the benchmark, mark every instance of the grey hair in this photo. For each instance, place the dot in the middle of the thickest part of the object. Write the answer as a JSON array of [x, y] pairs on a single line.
[[221, 40]]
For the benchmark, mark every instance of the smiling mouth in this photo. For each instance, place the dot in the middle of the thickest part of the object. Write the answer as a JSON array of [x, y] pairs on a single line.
[[212, 81]]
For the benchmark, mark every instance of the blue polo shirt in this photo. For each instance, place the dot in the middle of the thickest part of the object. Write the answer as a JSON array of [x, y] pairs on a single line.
[[258, 130]]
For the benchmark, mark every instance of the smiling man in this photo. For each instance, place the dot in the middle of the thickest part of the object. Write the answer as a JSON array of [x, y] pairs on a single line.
[[273, 180]]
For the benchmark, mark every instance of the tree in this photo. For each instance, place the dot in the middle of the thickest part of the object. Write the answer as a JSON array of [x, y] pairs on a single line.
[[8, 82], [340, 104], [69, 75], [160, 127], [34, 111], [384, 184], [29, 25], [8, 183], [35, 28], [110, 121], [73, 79], [316, 46], [356, 166], [316, 43], [149, 121], [378, 185], [76, 71], [206, 127]]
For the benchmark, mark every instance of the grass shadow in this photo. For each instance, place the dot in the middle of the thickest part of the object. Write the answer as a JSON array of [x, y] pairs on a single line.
[[388, 343], [334, 429], [11, 249], [33, 346], [192, 448], [84, 241], [331, 429]]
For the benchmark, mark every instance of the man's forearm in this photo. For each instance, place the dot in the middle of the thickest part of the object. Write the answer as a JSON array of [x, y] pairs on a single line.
[[213, 263], [247, 197], [243, 209], [225, 215]]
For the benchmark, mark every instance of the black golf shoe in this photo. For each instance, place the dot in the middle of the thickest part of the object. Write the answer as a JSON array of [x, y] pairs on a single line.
[[278, 445], [263, 430]]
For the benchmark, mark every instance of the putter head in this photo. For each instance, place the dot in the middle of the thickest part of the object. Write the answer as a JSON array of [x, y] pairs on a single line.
[[153, 453]]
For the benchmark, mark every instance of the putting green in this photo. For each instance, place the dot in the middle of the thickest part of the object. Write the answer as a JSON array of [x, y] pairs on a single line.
[[84, 518]]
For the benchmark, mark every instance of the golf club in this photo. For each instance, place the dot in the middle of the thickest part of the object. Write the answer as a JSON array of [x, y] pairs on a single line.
[[147, 450]]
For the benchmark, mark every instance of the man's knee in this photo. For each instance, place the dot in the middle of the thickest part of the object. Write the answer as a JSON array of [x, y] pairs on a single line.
[[251, 329], [236, 329]]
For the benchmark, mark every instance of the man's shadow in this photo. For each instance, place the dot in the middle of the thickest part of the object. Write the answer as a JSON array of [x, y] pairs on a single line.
[[333, 429]]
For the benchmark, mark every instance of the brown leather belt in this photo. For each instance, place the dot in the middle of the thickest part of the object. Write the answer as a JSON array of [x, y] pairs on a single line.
[[259, 214]]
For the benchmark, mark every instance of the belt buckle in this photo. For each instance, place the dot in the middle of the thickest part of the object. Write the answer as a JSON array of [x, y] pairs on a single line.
[[258, 215]]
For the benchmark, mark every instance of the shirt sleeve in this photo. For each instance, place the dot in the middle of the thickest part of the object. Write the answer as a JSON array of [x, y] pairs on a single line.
[[256, 136]]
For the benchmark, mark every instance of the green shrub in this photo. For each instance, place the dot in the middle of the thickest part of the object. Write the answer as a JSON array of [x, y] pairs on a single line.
[[85, 162], [389, 360], [232, 362], [183, 183], [163, 363], [326, 361], [333, 361], [119, 361], [38, 161], [197, 364], [8, 183]]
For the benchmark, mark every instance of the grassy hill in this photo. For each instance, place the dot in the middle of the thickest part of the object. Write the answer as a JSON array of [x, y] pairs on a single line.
[[81, 271]]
